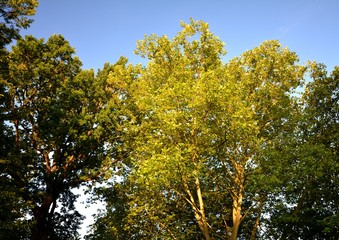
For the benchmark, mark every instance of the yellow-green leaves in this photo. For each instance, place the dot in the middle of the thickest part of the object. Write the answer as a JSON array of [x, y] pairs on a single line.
[[212, 146], [203, 124]]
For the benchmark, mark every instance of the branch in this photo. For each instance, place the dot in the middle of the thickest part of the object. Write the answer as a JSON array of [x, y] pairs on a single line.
[[47, 161], [261, 203], [163, 225]]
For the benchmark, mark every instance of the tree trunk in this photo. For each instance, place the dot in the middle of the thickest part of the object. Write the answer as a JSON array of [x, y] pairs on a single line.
[[236, 214], [199, 211], [203, 226], [257, 221], [39, 230], [39, 233], [237, 200], [42, 216], [203, 221]]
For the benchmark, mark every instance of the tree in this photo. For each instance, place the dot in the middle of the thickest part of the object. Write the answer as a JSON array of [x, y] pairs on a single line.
[[260, 111], [57, 134], [119, 78], [173, 145], [307, 207], [167, 63], [14, 15], [202, 128]]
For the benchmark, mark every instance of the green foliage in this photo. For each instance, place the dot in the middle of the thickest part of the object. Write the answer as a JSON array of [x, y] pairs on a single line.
[[307, 207], [202, 131], [196, 148], [14, 15], [12, 222], [67, 220], [58, 132], [238, 134]]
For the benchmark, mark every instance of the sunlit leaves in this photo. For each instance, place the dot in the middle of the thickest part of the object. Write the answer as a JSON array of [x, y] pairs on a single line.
[[203, 127]]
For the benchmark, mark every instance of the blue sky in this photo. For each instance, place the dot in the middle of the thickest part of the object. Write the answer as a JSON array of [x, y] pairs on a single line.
[[103, 30]]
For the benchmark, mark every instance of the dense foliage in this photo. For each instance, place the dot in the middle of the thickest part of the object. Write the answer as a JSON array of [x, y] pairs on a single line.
[[221, 151], [58, 130], [14, 15], [187, 147]]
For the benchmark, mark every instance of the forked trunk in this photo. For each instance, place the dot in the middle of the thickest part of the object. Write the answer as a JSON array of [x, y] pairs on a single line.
[[237, 200], [202, 222], [199, 209]]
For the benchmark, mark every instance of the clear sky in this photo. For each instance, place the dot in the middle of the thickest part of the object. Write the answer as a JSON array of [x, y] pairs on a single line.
[[103, 30]]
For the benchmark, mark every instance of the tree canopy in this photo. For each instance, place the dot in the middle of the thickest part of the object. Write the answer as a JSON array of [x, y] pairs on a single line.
[[212, 143], [186, 147], [14, 15], [58, 133]]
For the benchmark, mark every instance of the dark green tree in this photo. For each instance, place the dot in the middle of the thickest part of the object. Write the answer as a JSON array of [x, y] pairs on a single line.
[[14, 15], [59, 122], [305, 205]]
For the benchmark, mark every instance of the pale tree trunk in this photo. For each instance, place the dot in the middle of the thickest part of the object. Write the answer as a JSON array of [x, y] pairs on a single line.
[[199, 209], [203, 221], [236, 216], [202, 225], [237, 200]]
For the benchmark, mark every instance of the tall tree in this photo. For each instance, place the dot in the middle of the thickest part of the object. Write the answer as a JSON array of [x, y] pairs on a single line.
[[174, 64], [14, 15], [307, 207], [119, 77], [197, 151], [173, 146], [260, 110], [58, 132]]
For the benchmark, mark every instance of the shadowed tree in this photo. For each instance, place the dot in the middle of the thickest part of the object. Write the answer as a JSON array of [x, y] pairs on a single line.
[[60, 122], [306, 206], [14, 15]]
